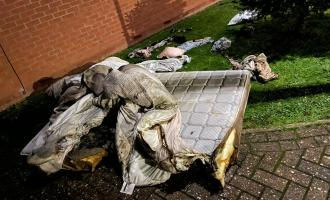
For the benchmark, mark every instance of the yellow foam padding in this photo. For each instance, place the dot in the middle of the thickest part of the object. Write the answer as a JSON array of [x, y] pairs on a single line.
[[95, 159], [222, 159]]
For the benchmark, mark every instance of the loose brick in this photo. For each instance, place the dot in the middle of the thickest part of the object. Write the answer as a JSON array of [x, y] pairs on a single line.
[[247, 185], [291, 158], [313, 154], [294, 192], [318, 190], [270, 194], [270, 180], [315, 170]]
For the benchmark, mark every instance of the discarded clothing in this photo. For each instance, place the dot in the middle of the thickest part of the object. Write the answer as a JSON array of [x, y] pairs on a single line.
[[247, 64], [195, 43], [264, 71], [171, 52], [69, 89], [147, 52], [140, 53], [257, 66], [246, 15], [221, 45], [167, 65], [175, 38], [66, 91]]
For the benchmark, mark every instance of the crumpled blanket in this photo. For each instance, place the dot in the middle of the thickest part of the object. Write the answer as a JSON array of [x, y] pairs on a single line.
[[151, 117], [257, 65], [148, 123], [66, 91], [69, 89]]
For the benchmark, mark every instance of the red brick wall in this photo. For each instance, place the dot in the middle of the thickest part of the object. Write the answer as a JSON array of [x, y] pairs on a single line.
[[10, 87], [48, 38]]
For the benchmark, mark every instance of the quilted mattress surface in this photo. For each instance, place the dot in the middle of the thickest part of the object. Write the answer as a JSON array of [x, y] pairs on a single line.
[[209, 102]]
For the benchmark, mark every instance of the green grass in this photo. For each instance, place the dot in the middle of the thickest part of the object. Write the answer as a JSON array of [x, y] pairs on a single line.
[[301, 94]]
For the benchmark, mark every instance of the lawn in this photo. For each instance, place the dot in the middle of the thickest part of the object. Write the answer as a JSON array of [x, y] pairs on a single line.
[[301, 94]]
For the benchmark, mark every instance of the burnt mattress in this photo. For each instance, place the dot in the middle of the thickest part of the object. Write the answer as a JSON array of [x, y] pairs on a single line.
[[212, 104]]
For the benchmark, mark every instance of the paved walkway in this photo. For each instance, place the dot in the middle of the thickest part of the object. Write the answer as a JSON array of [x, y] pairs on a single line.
[[292, 164], [274, 165]]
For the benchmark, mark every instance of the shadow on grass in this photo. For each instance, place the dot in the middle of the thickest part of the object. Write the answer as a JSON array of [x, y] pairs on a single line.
[[278, 40], [285, 93]]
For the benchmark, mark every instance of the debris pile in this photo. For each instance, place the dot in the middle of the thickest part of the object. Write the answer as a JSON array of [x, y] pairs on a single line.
[[148, 126], [148, 117], [257, 65]]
